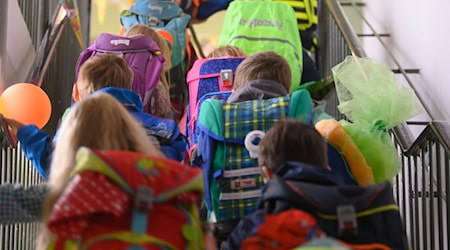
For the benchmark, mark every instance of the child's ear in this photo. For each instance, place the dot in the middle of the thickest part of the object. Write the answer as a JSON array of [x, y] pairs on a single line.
[[267, 173], [75, 94]]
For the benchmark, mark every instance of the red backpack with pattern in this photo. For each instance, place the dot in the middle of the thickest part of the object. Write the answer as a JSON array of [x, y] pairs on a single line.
[[128, 200]]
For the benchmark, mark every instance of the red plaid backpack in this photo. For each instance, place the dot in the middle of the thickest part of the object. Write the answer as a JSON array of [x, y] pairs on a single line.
[[128, 200]]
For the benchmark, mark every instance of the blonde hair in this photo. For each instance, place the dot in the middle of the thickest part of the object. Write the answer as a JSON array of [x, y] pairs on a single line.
[[141, 29], [107, 70], [98, 121], [266, 65], [227, 50]]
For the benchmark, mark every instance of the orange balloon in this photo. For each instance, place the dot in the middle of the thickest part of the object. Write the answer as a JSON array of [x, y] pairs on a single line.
[[26, 103]]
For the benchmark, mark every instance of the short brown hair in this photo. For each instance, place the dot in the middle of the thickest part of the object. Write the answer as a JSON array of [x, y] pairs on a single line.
[[266, 65], [107, 70], [292, 140], [227, 50]]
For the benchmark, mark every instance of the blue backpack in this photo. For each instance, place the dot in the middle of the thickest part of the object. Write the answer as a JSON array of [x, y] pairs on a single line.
[[166, 131], [209, 7], [208, 78], [163, 15], [231, 176]]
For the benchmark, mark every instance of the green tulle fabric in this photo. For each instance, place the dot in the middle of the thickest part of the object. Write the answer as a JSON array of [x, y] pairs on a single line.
[[371, 99]]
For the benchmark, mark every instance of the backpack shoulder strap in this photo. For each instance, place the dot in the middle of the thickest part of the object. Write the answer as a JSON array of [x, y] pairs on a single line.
[[323, 199], [85, 54], [211, 118], [301, 106]]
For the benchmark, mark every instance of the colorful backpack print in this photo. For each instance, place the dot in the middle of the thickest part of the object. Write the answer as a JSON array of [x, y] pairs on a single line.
[[142, 55], [128, 200], [283, 231], [232, 177], [209, 75], [256, 26]]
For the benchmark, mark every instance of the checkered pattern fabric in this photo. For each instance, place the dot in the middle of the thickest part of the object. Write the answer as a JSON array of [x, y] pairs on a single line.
[[239, 119], [19, 204]]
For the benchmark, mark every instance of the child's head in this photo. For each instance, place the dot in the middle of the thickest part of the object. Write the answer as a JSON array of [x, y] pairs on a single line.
[[100, 122], [141, 29], [266, 65], [228, 50], [291, 140], [108, 70]]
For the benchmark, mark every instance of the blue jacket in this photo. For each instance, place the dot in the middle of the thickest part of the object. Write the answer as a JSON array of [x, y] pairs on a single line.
[[295, 171], [37, 145]]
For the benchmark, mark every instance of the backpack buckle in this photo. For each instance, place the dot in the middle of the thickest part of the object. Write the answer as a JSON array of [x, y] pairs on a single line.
[[226, 77], [346, 216], [144, 198]]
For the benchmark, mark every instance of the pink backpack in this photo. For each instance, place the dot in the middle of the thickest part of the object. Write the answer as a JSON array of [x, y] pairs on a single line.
[[142, 55], [208, 78]]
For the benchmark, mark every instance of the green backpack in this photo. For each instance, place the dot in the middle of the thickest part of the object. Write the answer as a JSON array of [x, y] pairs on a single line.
[[231, 174], [256, 26]]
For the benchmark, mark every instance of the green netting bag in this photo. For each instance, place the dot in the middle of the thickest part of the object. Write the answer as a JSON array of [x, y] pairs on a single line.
[[370, 97]]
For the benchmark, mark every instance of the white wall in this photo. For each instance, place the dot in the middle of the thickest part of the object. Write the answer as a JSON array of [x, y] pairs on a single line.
[[20, 52], [420, 38]]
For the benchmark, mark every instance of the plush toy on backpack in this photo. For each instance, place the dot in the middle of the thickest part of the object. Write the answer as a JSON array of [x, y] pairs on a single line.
[[128, 200], [355, 170], [142, 55]]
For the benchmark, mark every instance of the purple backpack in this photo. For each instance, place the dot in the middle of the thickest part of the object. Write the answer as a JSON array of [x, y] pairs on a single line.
[[208, 78], [142, 55]]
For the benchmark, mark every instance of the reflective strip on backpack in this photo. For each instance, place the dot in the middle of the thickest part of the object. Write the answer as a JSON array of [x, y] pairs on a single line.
[[366, 212], [240, 195], [241, 172], [271, 39]]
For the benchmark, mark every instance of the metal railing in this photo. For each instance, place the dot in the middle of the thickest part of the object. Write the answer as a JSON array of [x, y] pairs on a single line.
[[422, 186]]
